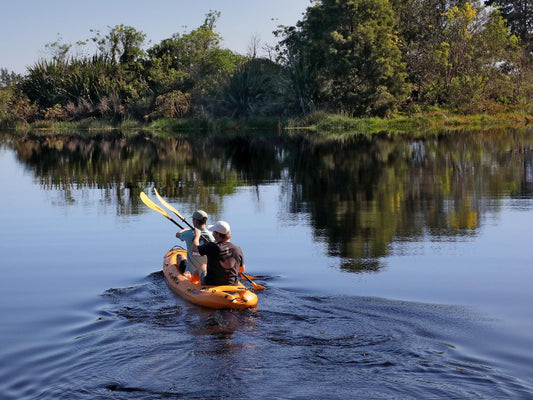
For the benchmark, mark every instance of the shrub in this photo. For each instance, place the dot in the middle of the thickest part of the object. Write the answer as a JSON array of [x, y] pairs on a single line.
[[315, 117], [20, 108], [56, 113], [5, 97], [174, 104]]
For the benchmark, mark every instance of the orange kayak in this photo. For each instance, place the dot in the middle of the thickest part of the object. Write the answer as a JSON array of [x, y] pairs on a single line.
[[227, 296]]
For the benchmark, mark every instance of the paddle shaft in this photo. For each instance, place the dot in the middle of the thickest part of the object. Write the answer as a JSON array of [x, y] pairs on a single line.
[[175, 223]]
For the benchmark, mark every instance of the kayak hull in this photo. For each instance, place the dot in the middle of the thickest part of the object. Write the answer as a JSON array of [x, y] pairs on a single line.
[[227, 296]]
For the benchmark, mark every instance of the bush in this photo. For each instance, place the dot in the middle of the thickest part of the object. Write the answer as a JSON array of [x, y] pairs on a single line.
[[174, 104], [20, 108], [5, 97], [55, 113], [315, 117]]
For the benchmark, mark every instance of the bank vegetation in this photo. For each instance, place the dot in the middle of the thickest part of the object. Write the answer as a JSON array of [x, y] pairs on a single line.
[[360, 65]]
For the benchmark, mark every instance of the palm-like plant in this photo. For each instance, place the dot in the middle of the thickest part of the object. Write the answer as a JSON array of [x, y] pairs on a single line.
[[252, 90]]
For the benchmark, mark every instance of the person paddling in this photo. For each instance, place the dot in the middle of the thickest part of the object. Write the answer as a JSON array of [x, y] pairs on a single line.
[[224, 259], [192, 265]]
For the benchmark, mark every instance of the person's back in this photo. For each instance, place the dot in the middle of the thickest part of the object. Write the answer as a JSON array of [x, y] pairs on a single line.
[[224, 259]]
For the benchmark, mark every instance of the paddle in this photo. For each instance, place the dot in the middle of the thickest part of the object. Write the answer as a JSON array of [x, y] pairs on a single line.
[[256, 286], [146, 200], [172, 209], [167, 205]]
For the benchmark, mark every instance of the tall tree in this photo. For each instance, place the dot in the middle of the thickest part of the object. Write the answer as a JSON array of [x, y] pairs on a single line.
[[191, 62], [420, 26], [344, 56], [477, 52], [122, 44], [8, 79], [519, 15]]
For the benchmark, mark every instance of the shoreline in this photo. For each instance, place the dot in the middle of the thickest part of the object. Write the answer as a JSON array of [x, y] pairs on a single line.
[[318, 123]]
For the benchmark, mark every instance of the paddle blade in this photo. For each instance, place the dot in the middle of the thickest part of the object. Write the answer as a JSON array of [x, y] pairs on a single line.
[[256, 286], [241, 270], [146, 200], [167, 205]]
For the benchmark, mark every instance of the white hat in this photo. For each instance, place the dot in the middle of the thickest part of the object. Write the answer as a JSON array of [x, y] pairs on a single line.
[[220, 227]]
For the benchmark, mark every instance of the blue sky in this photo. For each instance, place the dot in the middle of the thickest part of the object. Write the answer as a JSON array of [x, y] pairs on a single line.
[[26, 26]]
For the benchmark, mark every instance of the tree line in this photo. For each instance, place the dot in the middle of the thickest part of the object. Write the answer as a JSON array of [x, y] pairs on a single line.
[[351, 57]]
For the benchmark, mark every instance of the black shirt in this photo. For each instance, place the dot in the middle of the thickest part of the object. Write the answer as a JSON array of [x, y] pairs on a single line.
[[223, 262]]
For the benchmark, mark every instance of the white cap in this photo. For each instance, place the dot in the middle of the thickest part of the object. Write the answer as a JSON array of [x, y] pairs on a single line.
[[220, 227]]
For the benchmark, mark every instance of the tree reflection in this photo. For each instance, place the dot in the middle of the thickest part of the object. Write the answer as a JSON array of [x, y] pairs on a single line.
[[360, 193], [364, 193]]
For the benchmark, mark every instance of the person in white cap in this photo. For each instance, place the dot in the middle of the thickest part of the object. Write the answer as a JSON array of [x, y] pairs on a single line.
[[192, 265], [224, 259]]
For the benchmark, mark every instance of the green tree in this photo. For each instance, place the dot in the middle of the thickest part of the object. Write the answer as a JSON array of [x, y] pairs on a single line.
[[477, 50], [519, 15], [121, 45], [300, 86], [420, 26], [356, 65], [191, 62], [8, 79]]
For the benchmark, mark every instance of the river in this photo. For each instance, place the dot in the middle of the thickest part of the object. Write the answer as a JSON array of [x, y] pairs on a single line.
[[395, 267]]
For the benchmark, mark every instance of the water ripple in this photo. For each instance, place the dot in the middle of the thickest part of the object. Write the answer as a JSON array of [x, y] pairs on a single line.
[[143, 342]]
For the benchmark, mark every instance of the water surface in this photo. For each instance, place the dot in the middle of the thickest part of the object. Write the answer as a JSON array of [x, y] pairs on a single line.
[[395, 267]]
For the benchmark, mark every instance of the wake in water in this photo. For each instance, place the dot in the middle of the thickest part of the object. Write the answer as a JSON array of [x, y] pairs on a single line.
[[147, 343]]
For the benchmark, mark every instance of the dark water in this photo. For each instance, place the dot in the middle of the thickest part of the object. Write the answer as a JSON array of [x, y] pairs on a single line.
[[394, 267]]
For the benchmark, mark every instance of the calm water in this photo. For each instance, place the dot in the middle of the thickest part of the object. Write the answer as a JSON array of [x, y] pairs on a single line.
[[395, 268]]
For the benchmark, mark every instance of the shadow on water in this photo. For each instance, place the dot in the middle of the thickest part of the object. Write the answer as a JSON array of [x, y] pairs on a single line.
[[146, 343]]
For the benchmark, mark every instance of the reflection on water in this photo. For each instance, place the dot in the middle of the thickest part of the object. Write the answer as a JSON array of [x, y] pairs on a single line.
[[67, 335], [360, 193]]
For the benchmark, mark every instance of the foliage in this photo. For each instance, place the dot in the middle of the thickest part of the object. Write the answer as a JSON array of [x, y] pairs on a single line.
[[57, 112], [357, 67], [8, 79], [347, 57], [59, 50], [20, 108], [174, 104], [254, 89], [192, 63], [519, 16], [420, 24], [5, 97], [458, 53], [121, 45], [85, 87], [476, 49], [299, 86]]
